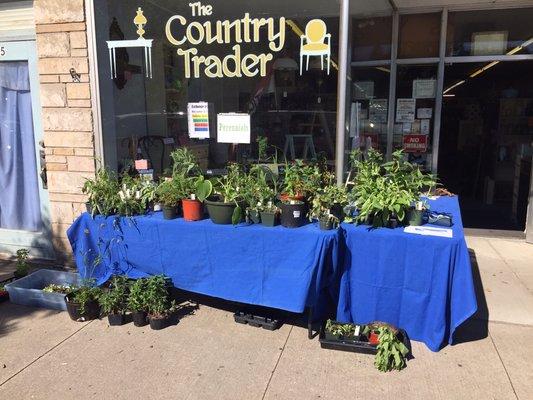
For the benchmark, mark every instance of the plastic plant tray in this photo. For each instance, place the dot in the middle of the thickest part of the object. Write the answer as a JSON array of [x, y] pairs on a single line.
[[360, 345], [242, 317], [28, 291]]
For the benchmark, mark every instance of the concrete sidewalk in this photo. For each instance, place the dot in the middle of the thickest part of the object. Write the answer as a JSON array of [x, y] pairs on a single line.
[[43, 355]]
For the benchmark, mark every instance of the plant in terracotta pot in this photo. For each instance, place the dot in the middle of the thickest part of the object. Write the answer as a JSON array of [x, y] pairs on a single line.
[[227, 204], [82, 302], [327, 205], [114, 301], [169, 193], [158, 303], [197, 190], [138, 302]]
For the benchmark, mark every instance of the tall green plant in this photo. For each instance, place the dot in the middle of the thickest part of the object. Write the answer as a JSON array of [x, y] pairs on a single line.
[[102, 192], [232, 188], [114, 301], [157, 297], [184, 162], [138, 296]]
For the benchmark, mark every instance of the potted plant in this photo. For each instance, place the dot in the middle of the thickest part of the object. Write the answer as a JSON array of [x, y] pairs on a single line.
[[114, 301], [138, 302], [22, 267], [168, 193], [4, 295], [391, 352], [102, 192], [226, 206], [326, 205], [261, 191], [417, 212], [269, 214], [130, 201], [299, 181], [198, 190], [158, 304], [82, 302], [335, 331]]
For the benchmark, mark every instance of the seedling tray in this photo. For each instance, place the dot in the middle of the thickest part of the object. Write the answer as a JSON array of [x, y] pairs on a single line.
[[28, 291], [356, 345], [243, 317]]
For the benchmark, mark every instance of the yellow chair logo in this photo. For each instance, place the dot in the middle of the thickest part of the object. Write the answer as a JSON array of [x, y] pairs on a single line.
[[315, 42]]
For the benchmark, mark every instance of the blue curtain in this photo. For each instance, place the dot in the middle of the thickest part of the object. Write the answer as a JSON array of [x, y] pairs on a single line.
[[19, 190]]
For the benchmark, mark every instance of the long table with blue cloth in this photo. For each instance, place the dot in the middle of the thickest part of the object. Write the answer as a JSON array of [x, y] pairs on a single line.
[[422, 284]]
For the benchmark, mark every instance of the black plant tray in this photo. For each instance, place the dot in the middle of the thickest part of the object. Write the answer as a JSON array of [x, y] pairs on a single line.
[[243, 317], [355, 345]]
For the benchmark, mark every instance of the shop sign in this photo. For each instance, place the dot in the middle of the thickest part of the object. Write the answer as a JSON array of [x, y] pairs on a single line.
[[405, 110], [415, 143], [233, 128]]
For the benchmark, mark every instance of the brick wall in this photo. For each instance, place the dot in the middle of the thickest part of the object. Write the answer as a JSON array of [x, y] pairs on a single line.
[[66, 110]]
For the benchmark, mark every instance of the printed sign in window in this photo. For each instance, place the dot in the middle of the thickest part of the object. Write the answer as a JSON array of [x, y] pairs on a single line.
[[233, 128]]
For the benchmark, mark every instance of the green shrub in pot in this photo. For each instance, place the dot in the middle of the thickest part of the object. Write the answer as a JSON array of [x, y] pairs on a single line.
[[261, 189], [138, 302], [228, 202], [130, 201], [114, 302], [300, 181], [184, 163], [168, 194], [327, 206], [22, 266], [82, 301], [102, 192], [158, 303]]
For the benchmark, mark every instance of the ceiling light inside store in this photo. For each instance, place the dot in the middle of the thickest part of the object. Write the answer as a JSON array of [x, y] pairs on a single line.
[[454, 86]]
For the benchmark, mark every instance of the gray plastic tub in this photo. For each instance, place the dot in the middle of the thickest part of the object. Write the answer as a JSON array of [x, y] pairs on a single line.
[[28, 291]]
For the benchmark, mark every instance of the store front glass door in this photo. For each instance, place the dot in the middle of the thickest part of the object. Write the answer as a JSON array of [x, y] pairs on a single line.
[[23, 211], [486, 141]]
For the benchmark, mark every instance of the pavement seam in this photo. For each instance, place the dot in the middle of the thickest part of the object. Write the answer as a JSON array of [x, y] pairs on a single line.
[[277, 362], [508, 266], [45, 353], [503, 364]]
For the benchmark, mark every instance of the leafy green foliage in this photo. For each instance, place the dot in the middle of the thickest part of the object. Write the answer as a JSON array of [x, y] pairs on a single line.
[[203, 188], [386, 189], [130, 196], [325, 199], [261, 188], [184, 163], [103, 192], [138, 296], [391, 352], [340, 330], [53, 288], [22, 267], [85, 293], [301, 179], [169, 192], [232, 186], [114, 301], [157, 298]]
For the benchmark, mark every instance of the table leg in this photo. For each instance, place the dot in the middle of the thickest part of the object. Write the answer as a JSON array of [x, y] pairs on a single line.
[[310, 322]]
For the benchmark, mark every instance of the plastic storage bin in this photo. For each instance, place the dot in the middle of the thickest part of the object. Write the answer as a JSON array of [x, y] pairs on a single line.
[[28, 291]]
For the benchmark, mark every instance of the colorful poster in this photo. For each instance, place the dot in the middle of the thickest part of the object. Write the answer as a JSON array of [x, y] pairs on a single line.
[[415, 143], [405, 110], [233, 128], [198, 119]]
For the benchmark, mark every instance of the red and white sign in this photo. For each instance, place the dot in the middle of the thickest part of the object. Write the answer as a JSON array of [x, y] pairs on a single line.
[[415, 143]]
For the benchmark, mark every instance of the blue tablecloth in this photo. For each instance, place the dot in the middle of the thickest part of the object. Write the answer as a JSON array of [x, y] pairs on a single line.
[[275, 267], [422, 284]]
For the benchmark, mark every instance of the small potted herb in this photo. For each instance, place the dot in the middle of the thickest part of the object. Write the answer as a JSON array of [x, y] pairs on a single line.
[[22, 267], [159, 305], [82, 302], [226, 206], [130, 201], [114, 301], [138, 302], [168, 193], [328, 203], [261, 190]]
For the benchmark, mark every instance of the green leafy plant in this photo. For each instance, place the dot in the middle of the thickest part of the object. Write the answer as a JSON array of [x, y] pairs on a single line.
[[392, 352], [102, 192], [169, 192], [340, 330], [232, 188], [22, 267], [138, 296], [261, 189], [184, 163], [301, 179], [130, 200], [85, 293], [157, 297], [262, 146], [114, 301], [193, 187], [384, 190], [53, 288], [325, 199]]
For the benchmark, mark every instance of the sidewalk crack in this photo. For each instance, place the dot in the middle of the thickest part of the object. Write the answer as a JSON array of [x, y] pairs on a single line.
[[277, 362]]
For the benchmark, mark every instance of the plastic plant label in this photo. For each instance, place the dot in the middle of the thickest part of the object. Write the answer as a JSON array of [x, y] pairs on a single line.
[[296, 214], [168, 140]]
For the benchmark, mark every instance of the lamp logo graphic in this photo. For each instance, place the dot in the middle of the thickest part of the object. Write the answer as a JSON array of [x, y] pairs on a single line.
[[316, 42], [140, 22]]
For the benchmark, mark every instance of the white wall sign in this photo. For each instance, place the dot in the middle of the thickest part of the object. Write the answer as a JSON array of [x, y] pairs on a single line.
[[405, 110], [233, 128], [378, 109], [424, 126], [424, 88], [424, 113], [198, 120]]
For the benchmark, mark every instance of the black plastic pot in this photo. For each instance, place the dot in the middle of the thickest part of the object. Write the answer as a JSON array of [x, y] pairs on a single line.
[[220, 212], [269, 218], [89, 207], [416, 217], [170, 212], [393, 222], [116, 319], [158, 323], [254, 216], [325, 224], [92, 310], [293, 215], [139, 318], [337, 211]]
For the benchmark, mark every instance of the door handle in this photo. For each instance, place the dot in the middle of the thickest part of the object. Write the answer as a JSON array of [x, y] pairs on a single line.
[[42, 163]]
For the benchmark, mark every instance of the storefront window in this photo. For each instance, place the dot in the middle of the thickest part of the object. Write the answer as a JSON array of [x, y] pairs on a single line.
[[238, 57], [419, 35], [491, 32], [370, 98], [372, 38], [415, 112]]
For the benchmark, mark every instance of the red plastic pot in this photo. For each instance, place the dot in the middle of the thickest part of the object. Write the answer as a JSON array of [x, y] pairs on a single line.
[[192, 210], [373, 338]]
